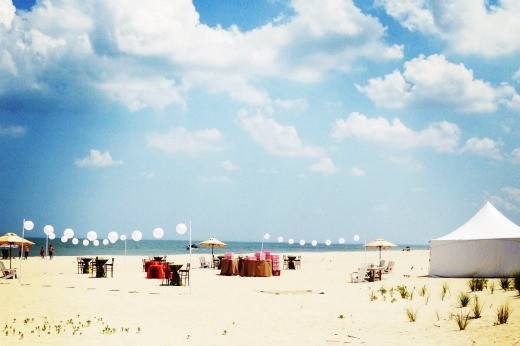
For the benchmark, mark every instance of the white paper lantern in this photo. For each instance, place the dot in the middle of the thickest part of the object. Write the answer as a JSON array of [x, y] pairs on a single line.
[[341, 240], [28, 225], [75, 241], [105, 242], [64, 239], [328, 242], [113, 236], [280, 239], [290, 241], [52, 236], [48, 229], [356, 237], [69, 233], [96, 242], [158, 233], [302, 242], [91, 235], [181, 228], [137, 235], [314, 242], [85, 242], [122, 237]]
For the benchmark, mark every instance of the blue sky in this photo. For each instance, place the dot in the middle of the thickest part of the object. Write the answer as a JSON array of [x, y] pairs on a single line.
[[305, 119]]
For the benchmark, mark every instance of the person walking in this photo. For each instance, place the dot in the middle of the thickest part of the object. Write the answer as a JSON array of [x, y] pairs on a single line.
[[42, 252], [51, 251], [26, 251]]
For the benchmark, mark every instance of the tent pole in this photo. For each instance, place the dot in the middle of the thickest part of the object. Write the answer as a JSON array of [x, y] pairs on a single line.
[[20, 249]]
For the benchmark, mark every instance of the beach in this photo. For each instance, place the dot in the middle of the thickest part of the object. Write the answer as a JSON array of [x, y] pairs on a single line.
[[316, 305]]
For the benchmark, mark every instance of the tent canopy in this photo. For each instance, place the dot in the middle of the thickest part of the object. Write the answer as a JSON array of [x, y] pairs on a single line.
[[14, 239], [487, 245], [487, 223]]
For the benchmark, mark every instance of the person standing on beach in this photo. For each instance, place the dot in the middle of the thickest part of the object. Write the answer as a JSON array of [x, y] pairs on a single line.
[[26, 251], [42, 252], [51, 251]]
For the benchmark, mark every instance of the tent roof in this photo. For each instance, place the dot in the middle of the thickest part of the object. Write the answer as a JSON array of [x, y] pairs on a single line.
[[487, 223]]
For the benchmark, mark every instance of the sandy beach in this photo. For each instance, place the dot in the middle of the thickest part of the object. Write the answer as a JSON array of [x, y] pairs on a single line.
[[316, 305]]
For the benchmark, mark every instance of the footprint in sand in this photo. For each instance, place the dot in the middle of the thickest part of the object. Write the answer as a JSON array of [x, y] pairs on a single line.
[[154, 293], [133, 292], [46, 285], [114, 290], [70, 287]]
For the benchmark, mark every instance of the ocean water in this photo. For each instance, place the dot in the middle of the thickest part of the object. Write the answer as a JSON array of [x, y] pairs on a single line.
[[172, 247]]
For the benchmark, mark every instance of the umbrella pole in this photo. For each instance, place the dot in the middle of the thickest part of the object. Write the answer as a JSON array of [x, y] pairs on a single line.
[[10, 255], [212, 256]]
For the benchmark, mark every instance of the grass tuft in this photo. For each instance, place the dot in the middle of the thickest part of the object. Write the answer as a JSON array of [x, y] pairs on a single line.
[[445, 290], [491, 287], [462, 320], [503, 313], [477, 284], [476, 308], [464, 299], [505, 283], [411, 314]]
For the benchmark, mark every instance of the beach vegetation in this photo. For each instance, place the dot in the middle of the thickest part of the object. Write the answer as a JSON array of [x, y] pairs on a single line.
[[382, 290], [464, 299], [477, 284], [411, 314], [516, 283], [427, 299], [503, 313], [372, 296], [422, 291], [462, 320], [476, 308], [403, 291], [444, 290], [505, 283], [491, 287]]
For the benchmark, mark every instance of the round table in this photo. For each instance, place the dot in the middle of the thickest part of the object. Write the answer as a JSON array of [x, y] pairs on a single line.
[[229, 267], [155, 271], [86, 261], [176, 279]]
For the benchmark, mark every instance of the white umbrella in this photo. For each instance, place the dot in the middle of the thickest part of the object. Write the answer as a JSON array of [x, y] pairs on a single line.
[[212, 243], [380, 244]]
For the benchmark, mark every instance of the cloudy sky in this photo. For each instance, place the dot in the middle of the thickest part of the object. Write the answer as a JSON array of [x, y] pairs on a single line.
[[309, 119]]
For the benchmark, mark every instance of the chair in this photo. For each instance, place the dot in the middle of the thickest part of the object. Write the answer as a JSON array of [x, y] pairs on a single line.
[[298, 262], [81, 265], [285, 262], [360, 275], [228, 255], [185, 274], [257, 255], [276, 264], [203, 263], [382, 263], [216, 262], [109, 267], [389, 267], [7, 273]]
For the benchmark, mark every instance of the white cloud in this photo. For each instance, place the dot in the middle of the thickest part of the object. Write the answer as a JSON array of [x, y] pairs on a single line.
[[228, 165], [442, 136], [179, 140], [152, 54], [515, 155], [324, 165], [431, 82], [13, 131], [298, 105], [467, 26], [277, 139], [96, 158], [484, 147], [508, 198], [284, 140], [406, 161], [516, 76], [357, 172]]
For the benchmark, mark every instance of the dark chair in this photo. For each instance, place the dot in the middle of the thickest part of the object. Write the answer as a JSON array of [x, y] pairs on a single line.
[[185, 274], [109, 267], [298, 262]]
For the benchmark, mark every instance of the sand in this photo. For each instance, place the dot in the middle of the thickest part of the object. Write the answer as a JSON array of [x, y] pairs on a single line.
[[316, 305]]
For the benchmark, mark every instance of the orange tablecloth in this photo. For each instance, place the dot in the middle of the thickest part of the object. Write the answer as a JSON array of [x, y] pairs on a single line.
[[256, 268], [229, 267]]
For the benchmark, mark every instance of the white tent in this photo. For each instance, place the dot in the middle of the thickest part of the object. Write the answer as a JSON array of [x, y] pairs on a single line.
[[488, 245]]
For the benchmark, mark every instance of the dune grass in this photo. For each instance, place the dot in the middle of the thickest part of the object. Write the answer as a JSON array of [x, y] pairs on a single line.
[[477, 284], [444, 290], [462, 320], [505, 283], [464, 299], [503, 313], [411, 314], [476, 308]]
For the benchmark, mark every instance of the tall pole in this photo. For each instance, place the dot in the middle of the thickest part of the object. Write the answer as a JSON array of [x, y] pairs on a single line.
[[190, 246], [47, 246], [21, 250]]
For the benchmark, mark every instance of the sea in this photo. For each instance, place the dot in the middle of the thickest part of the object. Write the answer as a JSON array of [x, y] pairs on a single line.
[[172, 247]]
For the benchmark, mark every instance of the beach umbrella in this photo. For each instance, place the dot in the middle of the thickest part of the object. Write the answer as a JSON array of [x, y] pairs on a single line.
[[13, 239], [379, 244], [212, 243]]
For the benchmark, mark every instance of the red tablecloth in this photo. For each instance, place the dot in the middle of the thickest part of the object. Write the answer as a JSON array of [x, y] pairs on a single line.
[[155, 271]]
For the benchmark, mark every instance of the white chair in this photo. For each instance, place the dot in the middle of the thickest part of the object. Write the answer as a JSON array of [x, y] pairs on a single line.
[[203, 263], [7, 273], [382, 263], [389, 267], [360, 275]]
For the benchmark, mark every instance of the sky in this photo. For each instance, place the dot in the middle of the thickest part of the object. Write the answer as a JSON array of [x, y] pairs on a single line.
[[307, 119]]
